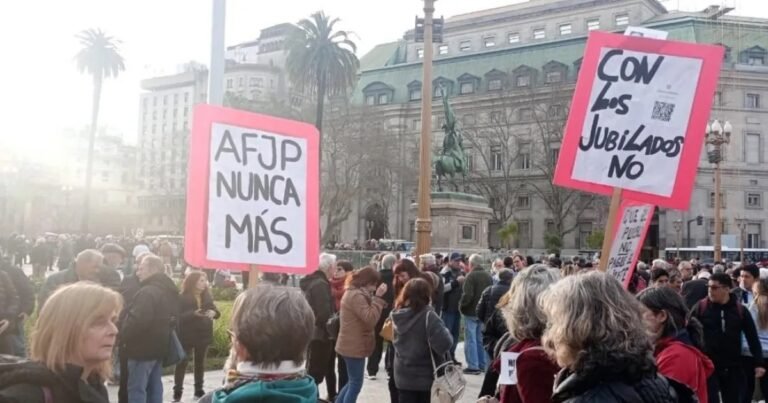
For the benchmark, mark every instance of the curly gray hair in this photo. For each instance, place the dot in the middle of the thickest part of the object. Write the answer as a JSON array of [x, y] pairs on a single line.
[[524, 320]]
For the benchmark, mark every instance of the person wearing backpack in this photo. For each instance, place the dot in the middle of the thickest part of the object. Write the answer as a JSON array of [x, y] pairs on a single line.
[[678, 341], [724, 319], [70, 349], [487, 312]]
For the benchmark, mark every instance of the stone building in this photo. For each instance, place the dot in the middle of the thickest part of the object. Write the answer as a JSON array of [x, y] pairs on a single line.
[[511, 72]]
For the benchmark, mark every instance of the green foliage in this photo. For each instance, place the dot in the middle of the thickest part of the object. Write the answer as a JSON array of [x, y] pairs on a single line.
[[508, 232], [553, 242], [595, 240], [224, 294], [221, 340]]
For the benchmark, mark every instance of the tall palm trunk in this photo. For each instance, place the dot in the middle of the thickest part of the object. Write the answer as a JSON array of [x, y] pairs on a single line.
[[320, 103], [97, 80]]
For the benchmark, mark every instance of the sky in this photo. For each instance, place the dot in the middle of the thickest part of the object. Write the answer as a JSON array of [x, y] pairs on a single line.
[[44, 95]]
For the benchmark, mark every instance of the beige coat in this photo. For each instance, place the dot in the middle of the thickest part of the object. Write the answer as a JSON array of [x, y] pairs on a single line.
[[358, 316]]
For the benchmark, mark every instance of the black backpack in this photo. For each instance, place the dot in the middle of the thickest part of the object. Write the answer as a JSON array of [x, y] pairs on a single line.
[[19, 371]]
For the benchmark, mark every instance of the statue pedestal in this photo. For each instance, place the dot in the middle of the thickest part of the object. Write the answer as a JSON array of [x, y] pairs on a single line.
[[459, 222]]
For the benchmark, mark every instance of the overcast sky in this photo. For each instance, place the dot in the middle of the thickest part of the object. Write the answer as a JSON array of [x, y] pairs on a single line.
[[43, 94]]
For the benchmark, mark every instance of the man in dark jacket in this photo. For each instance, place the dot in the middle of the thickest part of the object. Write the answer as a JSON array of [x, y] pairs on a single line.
[[317, 290], [87, 267], [489, 315], [724, 320], [453, 278], [26, 293], [385, 269], [695, 290], [477, 281], [146, 330]]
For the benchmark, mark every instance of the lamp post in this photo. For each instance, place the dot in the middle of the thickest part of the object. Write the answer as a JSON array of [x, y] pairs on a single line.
[[679, 229], [741, 223], [717, 136], [424, 218]]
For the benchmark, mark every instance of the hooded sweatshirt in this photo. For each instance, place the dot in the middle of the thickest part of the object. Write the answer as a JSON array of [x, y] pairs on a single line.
[[684, 363], [413, 365], [251, 389]]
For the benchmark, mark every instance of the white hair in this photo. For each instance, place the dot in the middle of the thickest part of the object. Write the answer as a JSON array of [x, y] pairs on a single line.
[[428, 259], [388, 261], [89, 256], [718, 269], [659, 264], [476, 260], [327, 261], [763, 272]]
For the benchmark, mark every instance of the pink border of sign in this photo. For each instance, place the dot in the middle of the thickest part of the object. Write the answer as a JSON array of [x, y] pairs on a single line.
[[624, 205], [711, 57], [195, 245]]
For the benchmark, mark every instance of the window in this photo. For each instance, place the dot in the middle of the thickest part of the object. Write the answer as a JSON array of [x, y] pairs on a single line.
[[468, 119], [712, 200], [754, 200], [465, 46], [554, 77], [416, 124], [496, 158], [442, 50], [753, 235], [494, 84], [420, 53], [756, 60], [495, 116], [470, 159], [370, 100], [186, 97], [489, 41], [593, 24], [467, 232], [526, 114], [585, 230], [622, 19], [752, 148], [383, 99], [752, 101], [717, 100], [165, 99], [566, 29], [467, 87], [524, 202], [555, 111], [230, 83], [513, 37], [175, 99], [252, 82], [241, 82], [186, 111], [539, 33], [414, 94], [524, 159], [554, 154], [524, 233], [523, 81]]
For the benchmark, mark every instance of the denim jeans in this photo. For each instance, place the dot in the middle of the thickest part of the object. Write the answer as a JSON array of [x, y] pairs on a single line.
[[452, 321], [473, 344], [355, 370], [145, 384]]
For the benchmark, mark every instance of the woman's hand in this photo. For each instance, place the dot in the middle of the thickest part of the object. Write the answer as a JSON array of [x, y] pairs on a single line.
[[381, 290]]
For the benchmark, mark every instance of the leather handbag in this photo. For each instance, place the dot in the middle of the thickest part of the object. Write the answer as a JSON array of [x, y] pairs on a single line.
[[449, 383], [388, 330]]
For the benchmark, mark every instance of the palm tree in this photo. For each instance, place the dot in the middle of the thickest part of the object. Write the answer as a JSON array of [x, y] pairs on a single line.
[[321, 60], [99, 57]]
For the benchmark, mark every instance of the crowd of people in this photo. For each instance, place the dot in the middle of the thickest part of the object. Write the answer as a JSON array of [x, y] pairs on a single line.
[[681, 332]]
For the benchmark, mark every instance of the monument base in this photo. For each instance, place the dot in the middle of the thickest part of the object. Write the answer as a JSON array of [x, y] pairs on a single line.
[[459, 222]]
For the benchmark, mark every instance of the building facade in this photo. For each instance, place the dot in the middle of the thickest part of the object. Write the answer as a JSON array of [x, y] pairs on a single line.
[[511, 71]]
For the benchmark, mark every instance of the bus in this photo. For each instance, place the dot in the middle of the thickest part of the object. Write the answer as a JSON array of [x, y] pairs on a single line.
[[706, 254]]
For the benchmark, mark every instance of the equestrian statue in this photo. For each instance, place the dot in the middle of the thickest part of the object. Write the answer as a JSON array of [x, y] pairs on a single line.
[[452, 159]]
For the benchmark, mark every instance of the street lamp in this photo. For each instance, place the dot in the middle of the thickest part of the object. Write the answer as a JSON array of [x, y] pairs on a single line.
[[717, 136], [679, 229], [741, 223], [424, 217]]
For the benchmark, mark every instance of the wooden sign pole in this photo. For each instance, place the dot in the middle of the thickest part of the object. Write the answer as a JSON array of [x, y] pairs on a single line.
[[613, 213], [253, 277]]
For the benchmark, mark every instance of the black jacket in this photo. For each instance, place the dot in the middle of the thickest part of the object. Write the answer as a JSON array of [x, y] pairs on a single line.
[[9, 299], [722, 341], [489, 298], [387, 277], [196, 329], [452, 289], [575, 388], [24, 287], [23, 384], [146, 327], [317, 291], [694, 291]]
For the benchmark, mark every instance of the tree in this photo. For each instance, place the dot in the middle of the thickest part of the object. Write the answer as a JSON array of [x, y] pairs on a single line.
[[508, 233], [595, 240], [273, 106], [99, 57], [321, 60]]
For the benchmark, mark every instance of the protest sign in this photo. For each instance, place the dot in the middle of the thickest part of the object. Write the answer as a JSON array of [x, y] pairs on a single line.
[[628, 238], [638, 118], [508, 374], [252, 194]]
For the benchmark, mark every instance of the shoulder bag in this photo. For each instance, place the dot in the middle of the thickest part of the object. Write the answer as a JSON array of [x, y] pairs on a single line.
[[449, 383]]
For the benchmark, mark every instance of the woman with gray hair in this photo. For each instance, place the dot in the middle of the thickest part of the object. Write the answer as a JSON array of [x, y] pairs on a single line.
[[535, 370], [595, 333]]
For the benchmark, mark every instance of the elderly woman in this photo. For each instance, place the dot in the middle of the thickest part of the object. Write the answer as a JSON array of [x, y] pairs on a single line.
[[536, 371], [594, 333], [271, 329]]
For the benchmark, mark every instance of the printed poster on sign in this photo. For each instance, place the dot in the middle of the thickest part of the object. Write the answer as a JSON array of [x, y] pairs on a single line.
[[628, 238], [508, 375], [252, 192], [638, 118]]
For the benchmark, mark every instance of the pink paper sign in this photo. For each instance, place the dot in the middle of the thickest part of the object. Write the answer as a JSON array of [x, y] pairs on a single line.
[[252, 192], [628, 237], [638, 118]]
